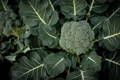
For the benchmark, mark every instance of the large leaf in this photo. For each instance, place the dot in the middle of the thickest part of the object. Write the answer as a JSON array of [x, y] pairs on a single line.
[[96, 19], [73, 8], [76, 75], [47, 36], [29, 68], [113, 65], [91, 62], [55, 64], [111, 33], [81, 75], [34, 11], [98, 8]]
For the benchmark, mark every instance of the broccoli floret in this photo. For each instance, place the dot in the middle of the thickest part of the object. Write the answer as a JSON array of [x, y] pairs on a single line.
[[76, 37]]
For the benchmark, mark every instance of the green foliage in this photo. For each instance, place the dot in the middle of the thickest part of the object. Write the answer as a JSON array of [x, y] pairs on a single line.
[[38, 11], [110, 27], [76, 37], [42, 13], [81, 75], [98, 8], [59, 39], [94, 20], [91, 62], [76, 75], [55, 64], [47, 36], [27, 66], [73, 8]]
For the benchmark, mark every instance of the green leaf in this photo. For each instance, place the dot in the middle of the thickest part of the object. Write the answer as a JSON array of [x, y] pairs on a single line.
[[73, 8], [67, 59], [88, 75], [1, 22], [100, 8], [76, 75], [58, 79], [30, 67], [96, 19], [91, 62], [73, 60], [55, 64], [25, 32], [34, 11], [3, 5], [101, 1], [11, 58], [81, 75], [44, 35], [47, 36], [8, 28], [113, 65], [7, 21], [111, 33], [42, 53]]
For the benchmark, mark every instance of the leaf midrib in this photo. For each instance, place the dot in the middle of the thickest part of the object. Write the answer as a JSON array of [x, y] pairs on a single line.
[[40, 18], [30, 70], [74, 8]]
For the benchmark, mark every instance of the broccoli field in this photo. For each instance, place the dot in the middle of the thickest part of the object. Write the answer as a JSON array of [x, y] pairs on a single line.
[[59, 39]]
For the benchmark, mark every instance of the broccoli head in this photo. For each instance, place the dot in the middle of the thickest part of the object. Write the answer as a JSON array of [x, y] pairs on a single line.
[[76, 37]]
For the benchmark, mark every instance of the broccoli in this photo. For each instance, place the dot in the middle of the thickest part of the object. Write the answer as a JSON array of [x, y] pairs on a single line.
[[76, 37]]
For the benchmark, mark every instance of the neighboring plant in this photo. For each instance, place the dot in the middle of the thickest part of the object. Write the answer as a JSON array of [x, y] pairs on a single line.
[[59, 39]]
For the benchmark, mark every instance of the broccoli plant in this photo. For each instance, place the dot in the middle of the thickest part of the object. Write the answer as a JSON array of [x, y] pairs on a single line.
[[77, 37], [60, 39]]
